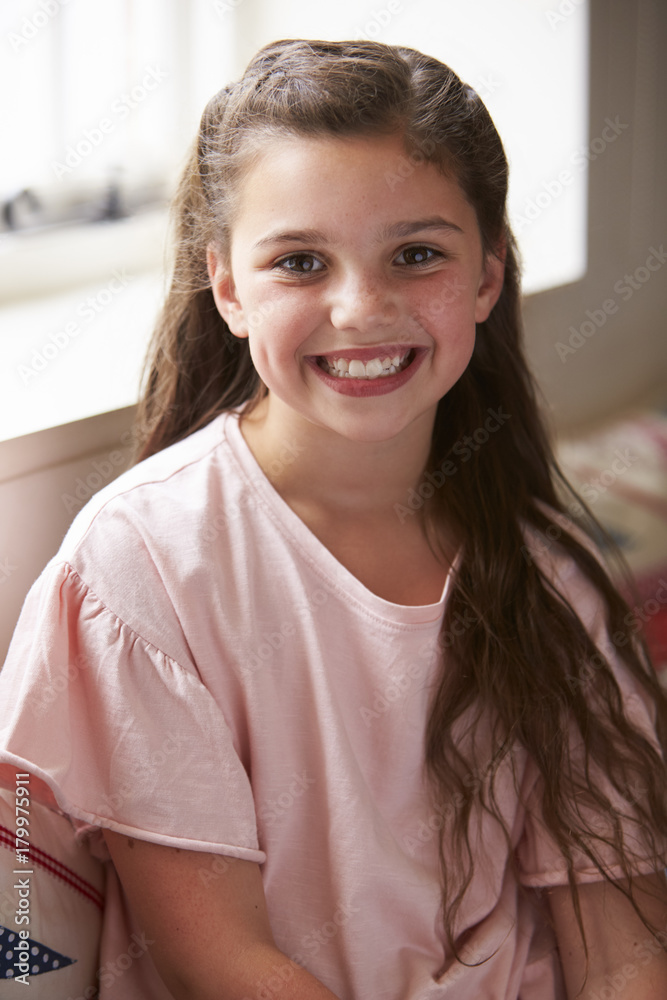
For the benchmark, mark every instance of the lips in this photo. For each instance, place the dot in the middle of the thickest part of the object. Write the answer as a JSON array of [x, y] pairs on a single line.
[[410, 359]]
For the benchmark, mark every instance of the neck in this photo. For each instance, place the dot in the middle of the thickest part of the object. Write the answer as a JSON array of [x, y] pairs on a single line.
[[307, 463]]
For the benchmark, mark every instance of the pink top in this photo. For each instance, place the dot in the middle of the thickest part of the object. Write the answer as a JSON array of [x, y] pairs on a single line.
[[196, 669]]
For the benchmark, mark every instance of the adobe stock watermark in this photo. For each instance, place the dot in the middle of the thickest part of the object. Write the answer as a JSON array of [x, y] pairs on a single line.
[[223, 519], [624, 288], [112, 970], [591, 491], [484, 87], [275, 640], [6, 569], [224, 7], [220, 863], [405, 165], [86, 312], [32, 25], [615, 983], [7, 907], [373, 28], [593, 488], [64, 675], [156, 758], [286, 456], [319, 937], [271, 986], [578, 160], [540, 546], [564, 10], [642, 615], [104, 471], [121, 108], [426, 830], [393, 691], [400, 683], [634, 620], [450, 289], [271, 810], [465, 447]]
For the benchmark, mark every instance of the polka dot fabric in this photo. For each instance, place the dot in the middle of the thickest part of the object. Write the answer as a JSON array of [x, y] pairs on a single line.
[[39, 958]]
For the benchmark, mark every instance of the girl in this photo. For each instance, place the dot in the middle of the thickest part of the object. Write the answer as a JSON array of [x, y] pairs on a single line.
[[355, 712]]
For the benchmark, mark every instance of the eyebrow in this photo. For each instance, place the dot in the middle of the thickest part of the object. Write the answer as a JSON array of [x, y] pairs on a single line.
[[399, 229], [396, 230], [304, 236]]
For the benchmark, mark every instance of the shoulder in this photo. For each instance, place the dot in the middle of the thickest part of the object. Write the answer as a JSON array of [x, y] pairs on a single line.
[[545, 549], [569, 581], [173, 489], [135, 542], [165, 479]]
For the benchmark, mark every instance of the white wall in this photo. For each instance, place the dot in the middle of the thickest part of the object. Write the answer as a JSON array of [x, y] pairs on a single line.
[[44, 479], [624, 360]]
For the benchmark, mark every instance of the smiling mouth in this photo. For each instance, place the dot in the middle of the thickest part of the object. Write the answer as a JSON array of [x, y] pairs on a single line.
[[374, 368]]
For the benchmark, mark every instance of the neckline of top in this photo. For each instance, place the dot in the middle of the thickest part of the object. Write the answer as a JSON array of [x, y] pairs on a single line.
[[346, 583]]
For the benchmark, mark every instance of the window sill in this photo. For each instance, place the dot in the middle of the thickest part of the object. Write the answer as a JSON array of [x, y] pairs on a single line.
[[72, 356], [46, 261]]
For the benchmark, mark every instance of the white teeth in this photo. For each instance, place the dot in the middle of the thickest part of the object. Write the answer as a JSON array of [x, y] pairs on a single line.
[[375, 368]]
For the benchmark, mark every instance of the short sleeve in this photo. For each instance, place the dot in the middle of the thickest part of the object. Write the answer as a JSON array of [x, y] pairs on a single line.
[[124, 736], [540, 860]]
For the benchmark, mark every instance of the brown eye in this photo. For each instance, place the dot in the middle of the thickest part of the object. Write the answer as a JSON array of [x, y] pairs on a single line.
[[418, 256], [299, 263]]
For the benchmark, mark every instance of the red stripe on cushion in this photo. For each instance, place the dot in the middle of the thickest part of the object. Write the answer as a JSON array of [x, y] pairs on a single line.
[[54, 867]]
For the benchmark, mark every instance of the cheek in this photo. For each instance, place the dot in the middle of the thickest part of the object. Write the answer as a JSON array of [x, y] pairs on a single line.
[[276, 312], [446, 323], [448, 306], [275, 334]]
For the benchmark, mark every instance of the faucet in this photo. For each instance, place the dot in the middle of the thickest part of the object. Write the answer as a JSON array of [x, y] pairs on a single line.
[[25, 197]]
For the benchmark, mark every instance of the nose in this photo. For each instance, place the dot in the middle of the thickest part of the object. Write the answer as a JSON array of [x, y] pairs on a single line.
[[363, 302]]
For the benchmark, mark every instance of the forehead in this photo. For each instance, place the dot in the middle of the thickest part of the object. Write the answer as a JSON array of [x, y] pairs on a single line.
[[332, 182]]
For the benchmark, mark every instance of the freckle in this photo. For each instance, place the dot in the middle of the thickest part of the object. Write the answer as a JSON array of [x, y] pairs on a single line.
[[130, 842]]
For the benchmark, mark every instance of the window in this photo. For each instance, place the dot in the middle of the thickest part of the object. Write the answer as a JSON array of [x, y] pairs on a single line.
[[108, 95], [100, 101], [99, 95]]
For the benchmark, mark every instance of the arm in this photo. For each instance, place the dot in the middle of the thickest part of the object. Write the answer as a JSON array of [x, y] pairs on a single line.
[[207, 916], [622, 953]]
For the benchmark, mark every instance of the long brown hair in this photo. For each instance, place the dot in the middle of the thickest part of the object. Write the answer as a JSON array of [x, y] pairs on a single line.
[[524, 665]]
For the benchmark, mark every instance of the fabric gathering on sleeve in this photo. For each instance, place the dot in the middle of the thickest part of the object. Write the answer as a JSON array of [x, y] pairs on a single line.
[[125, 737]]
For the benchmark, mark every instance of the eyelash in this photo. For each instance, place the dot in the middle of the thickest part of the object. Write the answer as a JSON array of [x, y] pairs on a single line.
[[281, 265], [435, 254]]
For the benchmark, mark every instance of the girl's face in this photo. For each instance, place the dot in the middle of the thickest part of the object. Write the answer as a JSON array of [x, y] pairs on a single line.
[[358, 276]]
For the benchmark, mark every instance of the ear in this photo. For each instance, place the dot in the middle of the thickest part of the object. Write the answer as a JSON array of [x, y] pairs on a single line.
[[224, 293], [491, 283]]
